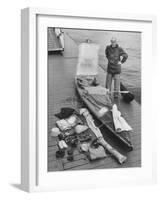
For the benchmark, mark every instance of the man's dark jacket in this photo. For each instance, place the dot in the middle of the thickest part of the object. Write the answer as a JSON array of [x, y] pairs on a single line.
[[114, 55]]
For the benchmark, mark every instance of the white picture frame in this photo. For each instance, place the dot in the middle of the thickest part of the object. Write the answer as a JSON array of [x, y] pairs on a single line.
[[31, 141]]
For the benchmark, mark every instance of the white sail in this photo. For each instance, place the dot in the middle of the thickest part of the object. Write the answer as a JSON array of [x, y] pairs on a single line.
[[88, 59]]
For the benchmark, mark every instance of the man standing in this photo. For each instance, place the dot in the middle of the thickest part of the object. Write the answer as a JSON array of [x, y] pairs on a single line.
[[116, 56]]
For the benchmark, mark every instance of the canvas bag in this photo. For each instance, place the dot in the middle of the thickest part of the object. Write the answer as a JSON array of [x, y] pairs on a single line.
[[96, 153]]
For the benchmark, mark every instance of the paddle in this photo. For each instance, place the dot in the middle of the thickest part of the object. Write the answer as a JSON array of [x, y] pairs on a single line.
[[127, 95], [121, 92]]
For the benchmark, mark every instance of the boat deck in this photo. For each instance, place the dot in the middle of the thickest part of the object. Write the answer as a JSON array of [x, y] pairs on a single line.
[[62, 93]]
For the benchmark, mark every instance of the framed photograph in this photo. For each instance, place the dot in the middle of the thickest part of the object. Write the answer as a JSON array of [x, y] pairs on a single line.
[[87, 112]]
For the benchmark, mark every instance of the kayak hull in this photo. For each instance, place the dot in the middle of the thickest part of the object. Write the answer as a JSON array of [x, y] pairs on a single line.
[[106, 121]]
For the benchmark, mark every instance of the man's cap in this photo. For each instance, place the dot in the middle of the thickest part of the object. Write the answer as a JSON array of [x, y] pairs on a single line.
[[87, 40], [113, 39]]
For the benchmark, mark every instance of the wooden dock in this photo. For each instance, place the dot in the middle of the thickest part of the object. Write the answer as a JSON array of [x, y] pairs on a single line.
[[61, 93]]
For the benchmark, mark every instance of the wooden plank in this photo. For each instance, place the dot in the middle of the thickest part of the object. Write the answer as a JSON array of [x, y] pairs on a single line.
[[55, 165], [94, 164]]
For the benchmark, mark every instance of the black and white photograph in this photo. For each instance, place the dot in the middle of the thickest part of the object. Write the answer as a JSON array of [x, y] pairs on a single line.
[[94, 99]]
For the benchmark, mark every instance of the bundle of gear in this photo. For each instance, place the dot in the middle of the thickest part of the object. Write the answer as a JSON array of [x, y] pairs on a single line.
[[77, 130]]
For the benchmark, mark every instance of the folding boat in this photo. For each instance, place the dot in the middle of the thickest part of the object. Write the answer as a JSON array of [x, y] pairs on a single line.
[[97, 98]]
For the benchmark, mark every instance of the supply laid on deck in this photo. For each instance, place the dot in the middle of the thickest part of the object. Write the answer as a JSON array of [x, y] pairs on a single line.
[[80, 128], [71, 138], [102, 111], [68, 123], [96, 153], [78, 132], [61, 136], [95, 143], [65, 112], [84, 136], [93, 150], [84, 147], [63, 125], [55, 132], [119, 122], [62, 144], [67, 133], [60, 153], [70, 156], [73, 120]]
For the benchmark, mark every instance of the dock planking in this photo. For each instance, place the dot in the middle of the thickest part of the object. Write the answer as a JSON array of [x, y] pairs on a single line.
[[62, 93]]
